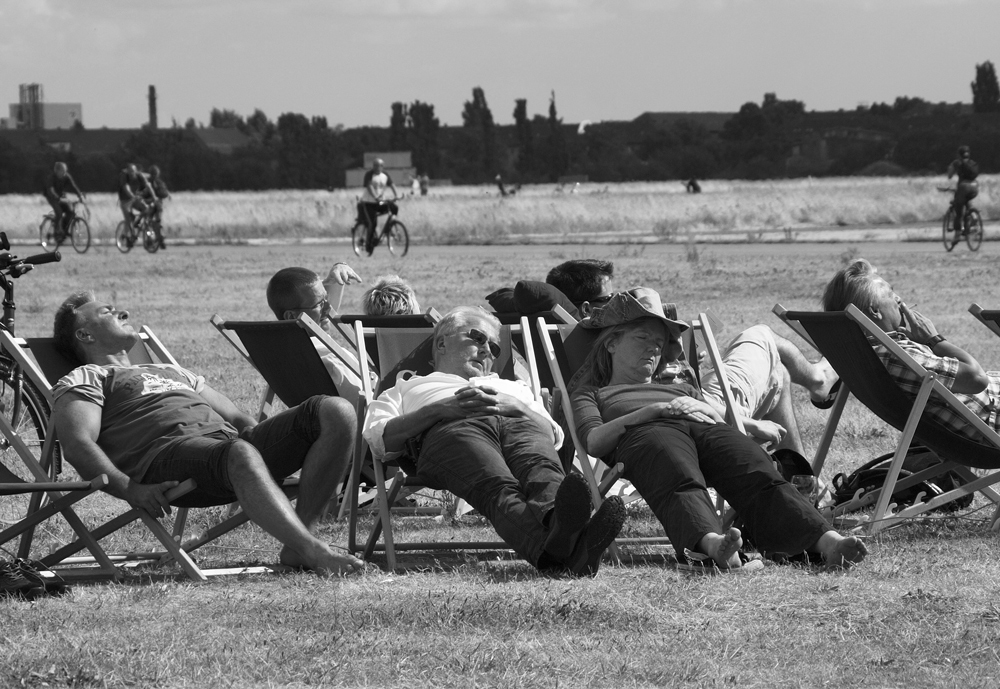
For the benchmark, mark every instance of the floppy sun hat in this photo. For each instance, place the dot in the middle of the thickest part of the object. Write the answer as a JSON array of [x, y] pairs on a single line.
[[624, 307]]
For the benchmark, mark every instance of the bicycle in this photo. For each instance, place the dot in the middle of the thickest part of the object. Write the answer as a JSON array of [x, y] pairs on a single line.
[[972, 226], [21, 403], [143, 225], [76, 226], [393, 231]]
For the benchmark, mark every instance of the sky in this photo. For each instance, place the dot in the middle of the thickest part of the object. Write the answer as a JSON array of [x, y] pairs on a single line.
[[349, 60]]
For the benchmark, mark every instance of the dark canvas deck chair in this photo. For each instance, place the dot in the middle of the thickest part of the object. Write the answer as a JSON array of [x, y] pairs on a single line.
[[845, 338], [285, 355], [566, 349], [988, 317], [410, 349], [42, 363]]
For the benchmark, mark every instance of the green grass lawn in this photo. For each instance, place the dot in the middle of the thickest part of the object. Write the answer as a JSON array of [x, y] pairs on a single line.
[[921, 611]]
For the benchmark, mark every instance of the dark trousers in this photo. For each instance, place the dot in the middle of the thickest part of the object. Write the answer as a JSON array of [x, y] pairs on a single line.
[[964, 192], [504, 467], [672, 462]]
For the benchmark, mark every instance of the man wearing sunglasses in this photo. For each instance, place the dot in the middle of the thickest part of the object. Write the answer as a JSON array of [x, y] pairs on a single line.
[[488, 441]]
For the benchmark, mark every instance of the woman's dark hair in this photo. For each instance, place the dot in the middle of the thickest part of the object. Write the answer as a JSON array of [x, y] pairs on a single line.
[[599, 361]]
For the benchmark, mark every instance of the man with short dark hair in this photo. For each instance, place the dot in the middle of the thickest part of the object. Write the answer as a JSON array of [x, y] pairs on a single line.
[[150, 426], [488, 441], [587, 282]]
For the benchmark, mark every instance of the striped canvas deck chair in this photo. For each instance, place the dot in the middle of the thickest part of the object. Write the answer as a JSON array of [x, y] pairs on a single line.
[[846, 339]]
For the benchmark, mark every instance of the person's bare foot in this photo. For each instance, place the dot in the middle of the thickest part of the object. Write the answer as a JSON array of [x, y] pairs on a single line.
[[723, 548], [841, 552], [324, 561]]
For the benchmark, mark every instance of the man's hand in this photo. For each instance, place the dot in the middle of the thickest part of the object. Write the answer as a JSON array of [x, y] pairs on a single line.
[[341, 274], [486, 401], [150, 497], [915, 325]]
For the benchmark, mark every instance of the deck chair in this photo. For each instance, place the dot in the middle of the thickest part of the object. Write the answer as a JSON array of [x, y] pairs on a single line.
[[845, 338], [284, 354], [62, 495], [41, 362], [410, 349], [567, 347], [988, 317]]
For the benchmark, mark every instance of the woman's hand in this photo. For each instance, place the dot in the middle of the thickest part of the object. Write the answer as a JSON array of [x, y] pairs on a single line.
[[689, 408]]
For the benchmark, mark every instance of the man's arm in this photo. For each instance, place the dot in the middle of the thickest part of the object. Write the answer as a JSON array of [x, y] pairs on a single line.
[[76, 189], [225, 408], [970, 378], [339, 276], [78, 425]]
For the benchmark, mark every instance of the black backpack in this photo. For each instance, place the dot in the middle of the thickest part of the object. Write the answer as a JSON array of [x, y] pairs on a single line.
[[871, 476]]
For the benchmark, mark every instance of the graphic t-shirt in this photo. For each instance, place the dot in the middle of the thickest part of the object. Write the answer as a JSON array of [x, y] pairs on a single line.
[[145, 408]]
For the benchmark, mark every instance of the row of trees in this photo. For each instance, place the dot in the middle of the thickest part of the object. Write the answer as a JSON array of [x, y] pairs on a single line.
[[775, 138]]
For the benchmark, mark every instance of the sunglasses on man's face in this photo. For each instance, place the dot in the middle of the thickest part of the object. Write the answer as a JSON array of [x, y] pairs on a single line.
[[323, 305], [597, 301], [482, 339]]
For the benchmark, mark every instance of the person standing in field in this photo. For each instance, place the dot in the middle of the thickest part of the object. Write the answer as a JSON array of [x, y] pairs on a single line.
[[373, 202], [154, 194], [967, 188], [59, 182]]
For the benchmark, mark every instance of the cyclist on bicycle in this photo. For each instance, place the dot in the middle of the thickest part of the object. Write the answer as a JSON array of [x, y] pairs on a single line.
[[967, 188], [131, 186], [59, 182], [373, 203], [153, 195]]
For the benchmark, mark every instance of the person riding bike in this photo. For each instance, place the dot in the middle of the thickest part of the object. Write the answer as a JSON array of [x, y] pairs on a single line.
[[131, 186], [58, 183], [967, 188], [372, 202], [153, 195]]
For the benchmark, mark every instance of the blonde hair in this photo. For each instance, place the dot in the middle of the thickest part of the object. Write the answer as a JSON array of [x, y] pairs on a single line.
[[390, 296]]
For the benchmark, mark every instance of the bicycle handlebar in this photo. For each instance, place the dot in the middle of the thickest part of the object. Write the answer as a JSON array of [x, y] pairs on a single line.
[[39, 259]]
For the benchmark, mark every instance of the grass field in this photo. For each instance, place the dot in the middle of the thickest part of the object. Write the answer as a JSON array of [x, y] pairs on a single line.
[[922, 611], [729, 210]]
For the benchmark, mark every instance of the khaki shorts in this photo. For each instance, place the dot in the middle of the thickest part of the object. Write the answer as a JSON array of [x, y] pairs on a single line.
[[754, 370]]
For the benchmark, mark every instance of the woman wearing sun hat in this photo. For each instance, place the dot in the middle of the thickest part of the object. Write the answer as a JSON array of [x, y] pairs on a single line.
[[674, 445]]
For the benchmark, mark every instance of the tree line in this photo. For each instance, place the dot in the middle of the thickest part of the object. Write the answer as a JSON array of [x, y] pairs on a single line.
[[771, 139]]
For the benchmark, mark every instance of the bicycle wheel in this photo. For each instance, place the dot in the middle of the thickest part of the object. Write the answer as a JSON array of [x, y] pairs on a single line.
[[973, 229], [150, 241], [24, 407], [948, 234], [47, 233], [79, 233], [397, 238], [358, 234], [123, 239]]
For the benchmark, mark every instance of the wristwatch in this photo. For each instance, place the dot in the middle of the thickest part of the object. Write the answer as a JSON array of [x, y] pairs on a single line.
[[934, 341]]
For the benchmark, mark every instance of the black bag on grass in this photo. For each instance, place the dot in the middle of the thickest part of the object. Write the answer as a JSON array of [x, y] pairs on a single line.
[[871, 476]]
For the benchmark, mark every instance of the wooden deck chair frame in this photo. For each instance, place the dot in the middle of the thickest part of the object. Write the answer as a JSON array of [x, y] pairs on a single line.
[[36, 356], [387, 491], [600, 485], [844, 338]]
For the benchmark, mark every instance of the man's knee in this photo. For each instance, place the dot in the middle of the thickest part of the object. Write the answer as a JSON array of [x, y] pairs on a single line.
[[337, 413], [243, 459], [324, 414]]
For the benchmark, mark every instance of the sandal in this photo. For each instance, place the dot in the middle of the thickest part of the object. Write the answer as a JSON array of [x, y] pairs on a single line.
[[830, 398]]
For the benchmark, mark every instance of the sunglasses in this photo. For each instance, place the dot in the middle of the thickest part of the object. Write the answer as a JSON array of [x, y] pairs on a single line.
[[483, 340], [323, 305], [601, 300]]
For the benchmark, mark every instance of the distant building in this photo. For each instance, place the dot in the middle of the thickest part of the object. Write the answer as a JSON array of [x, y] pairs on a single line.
[[398, 166], [52, 115], [84, 142]]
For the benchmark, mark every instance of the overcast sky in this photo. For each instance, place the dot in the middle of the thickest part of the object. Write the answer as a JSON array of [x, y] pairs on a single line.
[[348, 60]]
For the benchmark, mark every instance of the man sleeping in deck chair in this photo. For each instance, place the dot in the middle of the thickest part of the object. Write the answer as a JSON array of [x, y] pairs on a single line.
[[150, 426]]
